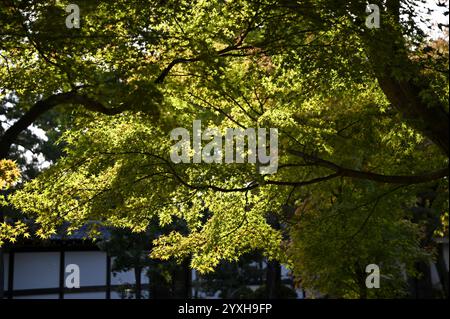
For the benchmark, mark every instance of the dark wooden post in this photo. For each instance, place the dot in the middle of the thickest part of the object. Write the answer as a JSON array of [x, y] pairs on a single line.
[[108, 276], [11, 275], [62, 272]]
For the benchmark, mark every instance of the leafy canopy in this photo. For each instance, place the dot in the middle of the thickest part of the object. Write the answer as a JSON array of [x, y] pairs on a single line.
[[359, 111]]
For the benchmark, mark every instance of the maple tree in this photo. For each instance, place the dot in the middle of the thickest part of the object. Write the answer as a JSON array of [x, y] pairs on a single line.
[[362, 116]]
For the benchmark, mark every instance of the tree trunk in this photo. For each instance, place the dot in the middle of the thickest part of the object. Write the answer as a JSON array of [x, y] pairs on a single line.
[[442, 270], [431, 120], [187, 279], [361, 277], [150, 295], [137, 274], [2, 275], [2, 265], [273, 279], [422, 287], [402, 81], [362, 291]]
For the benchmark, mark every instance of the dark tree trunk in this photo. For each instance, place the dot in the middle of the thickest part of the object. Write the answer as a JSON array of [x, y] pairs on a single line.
[[432, 121], [388, 54], [182, 281], [361, 276], [273, 274], [2, 266], [187, 279], [273, 279], [442, 270], [422, 288], [362, 291], [137, 274], [2, 275]]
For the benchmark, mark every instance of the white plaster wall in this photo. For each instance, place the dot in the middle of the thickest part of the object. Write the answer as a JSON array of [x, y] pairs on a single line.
[[36, 270], [92, 267]]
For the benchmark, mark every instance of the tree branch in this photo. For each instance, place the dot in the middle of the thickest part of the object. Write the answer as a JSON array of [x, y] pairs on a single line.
[[221, 53], [389, 179], [45, 105]]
